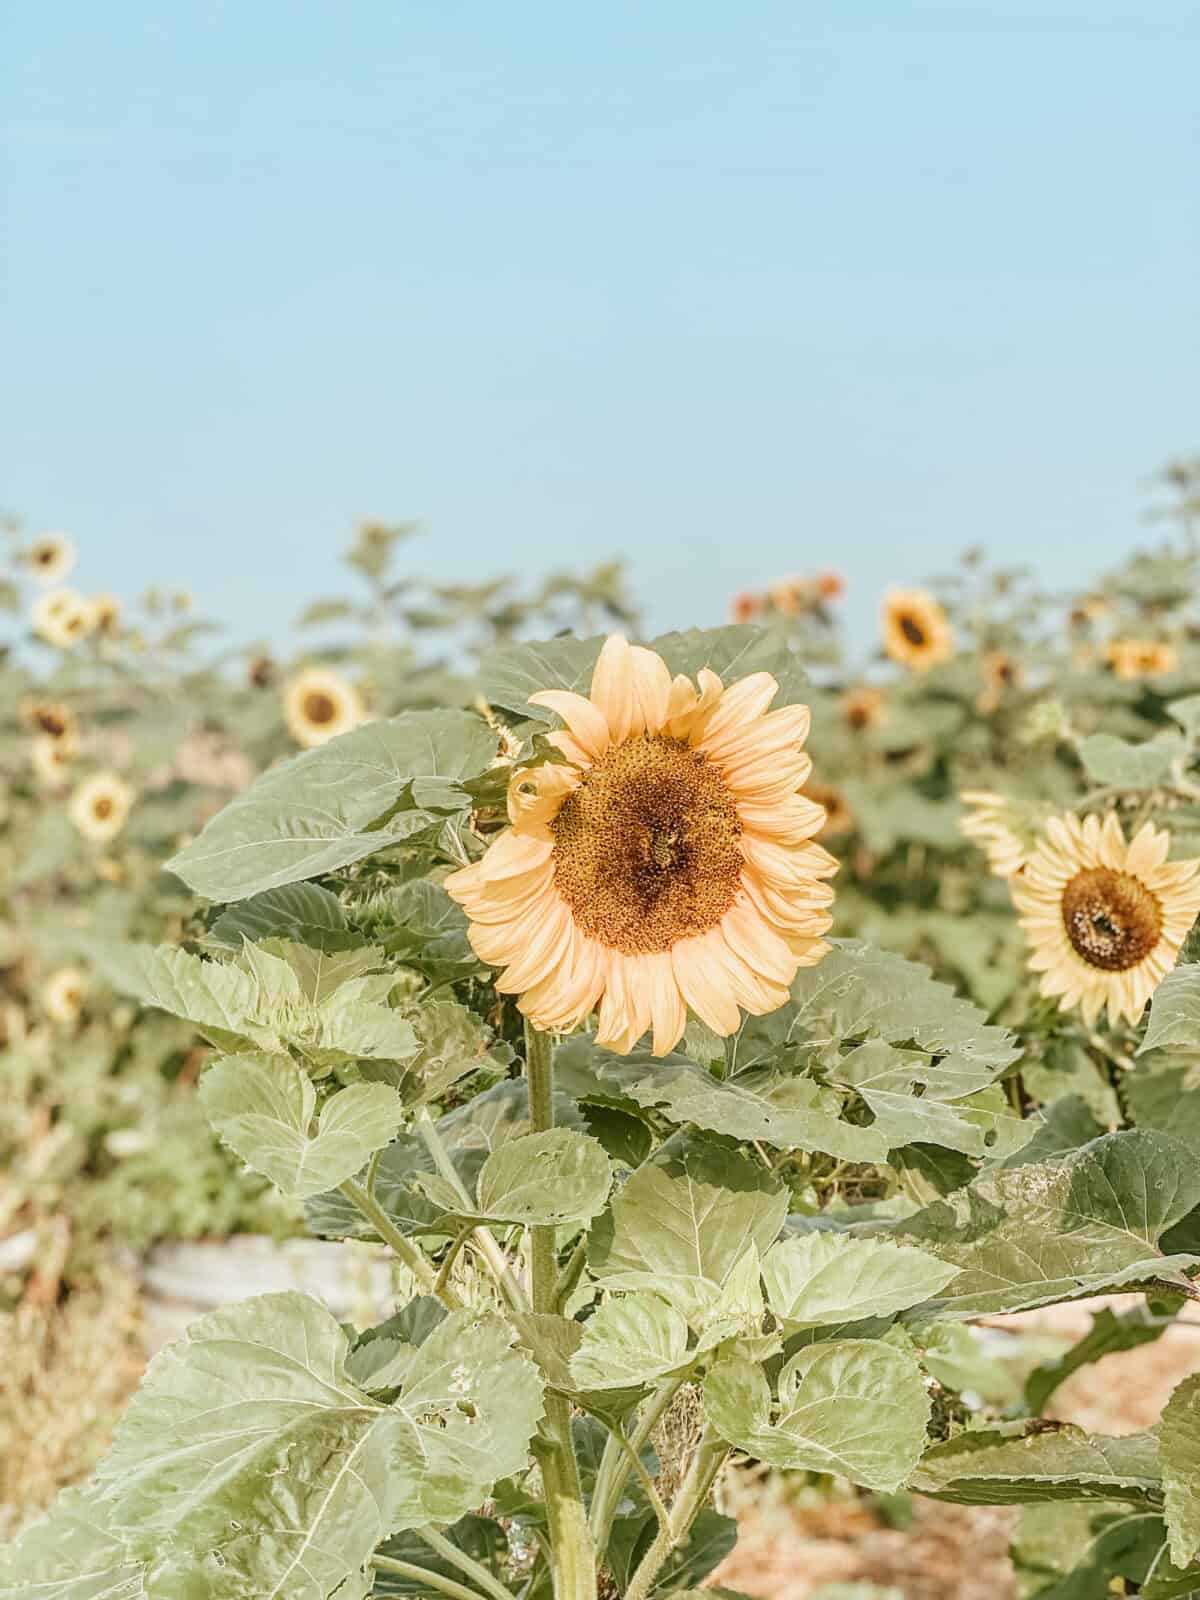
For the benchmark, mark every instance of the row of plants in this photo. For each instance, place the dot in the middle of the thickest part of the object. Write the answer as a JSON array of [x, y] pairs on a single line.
[[550, 987]]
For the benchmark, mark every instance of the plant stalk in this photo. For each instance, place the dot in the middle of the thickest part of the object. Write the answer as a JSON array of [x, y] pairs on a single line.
[[710, 1456], [423, 1576], [391, 1235], [494, 1257], [473, 1569], [615, 1466], [572, 1552]]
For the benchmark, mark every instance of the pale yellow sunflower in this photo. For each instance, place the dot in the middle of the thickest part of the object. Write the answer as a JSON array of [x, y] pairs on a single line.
[[105, 613], [50, 557], [1001, 673], [863, 708], [100, 806], [746, 605], [318, 704], [666, 862], [990, 823], [1140, 658], [61, 617], [51, 758], [793, 596], [839, 817], [1104, 918], [63, 995], [12, 1024], [52, 720], [916, 630]]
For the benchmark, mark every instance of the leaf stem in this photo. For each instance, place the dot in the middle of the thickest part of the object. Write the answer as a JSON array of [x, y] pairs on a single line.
[[613, 1472], [423, 1575], [710, 1456], [391, 1235], [572, 1552], [475, 1570]]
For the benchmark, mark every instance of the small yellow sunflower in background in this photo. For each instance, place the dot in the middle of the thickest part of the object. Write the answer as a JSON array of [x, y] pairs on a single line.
[[839, 816], [667, 862], [830, 584], [1001, 672], [61, 618], [792, 596], [1088, 609], [260, 672], [744, 607], [862, 708], [12, 1024], [51, 759], [52, 720], [50, 557], [916, 630], [63, 995], [989, 823], [318, 704], [105, 613], [100, 806], [1104, 919], [1140, 658]]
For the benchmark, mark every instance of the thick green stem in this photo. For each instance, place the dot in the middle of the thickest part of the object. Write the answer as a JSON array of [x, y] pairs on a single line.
[[572, 1553], [423, 1576], [387, 1230], [710, 1456], [474, 1570]]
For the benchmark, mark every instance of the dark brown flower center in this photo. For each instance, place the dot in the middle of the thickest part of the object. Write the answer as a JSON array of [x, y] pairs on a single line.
[[912, 629], [319, 707], [51, 722], [1112, 920], [646, 849], [102, 807]]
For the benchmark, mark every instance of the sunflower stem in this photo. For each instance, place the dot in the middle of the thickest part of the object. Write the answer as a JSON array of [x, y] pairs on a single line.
[[572, 1553]]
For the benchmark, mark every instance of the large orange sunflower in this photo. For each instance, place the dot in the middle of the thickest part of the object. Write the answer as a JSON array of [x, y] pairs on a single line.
[[666, 862]]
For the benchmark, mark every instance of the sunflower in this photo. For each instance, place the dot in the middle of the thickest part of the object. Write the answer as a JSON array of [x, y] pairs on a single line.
[[105, 613], [989, 823], [1104, 919], [51, 758], [862, 708], [260, 671], [1140, 658], [12, 1024], [916, 630], [53, 721], [1088, 609], [50, 557], [61, 618], [792, 596], [746, 605], [839, 817], [666, 862], [62, 995], [1001, 672], [318, 704], [100, 806], [830, 584]]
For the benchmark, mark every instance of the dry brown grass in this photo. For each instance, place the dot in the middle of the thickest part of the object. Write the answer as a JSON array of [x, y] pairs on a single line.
[[66, 1371]]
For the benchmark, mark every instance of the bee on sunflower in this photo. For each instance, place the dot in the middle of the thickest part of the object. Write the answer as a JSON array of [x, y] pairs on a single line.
[[667, 862], [50, 557], [319, 704], [100, 807], [1132, 659], [916, 630], [1104, 917], [62, 618]]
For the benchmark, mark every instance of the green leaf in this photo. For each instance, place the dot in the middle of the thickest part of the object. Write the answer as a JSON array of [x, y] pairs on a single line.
[[1119, 764], [684, 1221], [632, 1340], [1174, 1012], [1179, 1444], [546, 1178], [263, 1110], [1016, 1462], [1036, 1234], [421, 923], [854, 1407], [219, 1000], [481, 1538], [1186, 713], [822, 1279], [1074, 1552], [249, 1439], [69, 1554], [735, 652], [363, 792], [1111, 1331], [301, 911]]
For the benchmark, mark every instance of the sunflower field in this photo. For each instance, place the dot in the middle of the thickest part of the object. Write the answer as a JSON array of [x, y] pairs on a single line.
[[722, 1044]]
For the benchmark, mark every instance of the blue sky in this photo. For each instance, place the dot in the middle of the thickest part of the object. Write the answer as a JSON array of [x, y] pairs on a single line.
[[731, 290]]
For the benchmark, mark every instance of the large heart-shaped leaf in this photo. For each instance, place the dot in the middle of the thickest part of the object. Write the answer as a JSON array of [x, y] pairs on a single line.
[[824, 1279], [543, 1179]]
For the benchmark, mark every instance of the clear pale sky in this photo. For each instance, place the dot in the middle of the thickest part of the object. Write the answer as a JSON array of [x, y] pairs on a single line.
[[734, 290]]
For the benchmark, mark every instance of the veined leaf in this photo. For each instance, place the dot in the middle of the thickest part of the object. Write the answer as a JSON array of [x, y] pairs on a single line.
[[248, 1439], [263, 1109], [1116, 762], [554, 1177], [822, 1279], [1179, 1445], [1032, 1235], [632, 1340], [69, 1554], [301, 911], [854, 1407], [362, 792], [1011, 1464], [1175, 1012], [683, 1222]]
